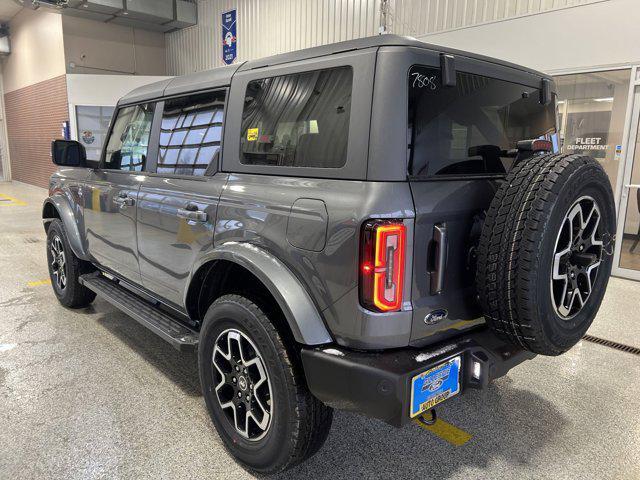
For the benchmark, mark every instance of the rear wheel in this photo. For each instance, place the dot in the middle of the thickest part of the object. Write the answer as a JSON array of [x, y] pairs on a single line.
[[65, 269], [545, 253], [255, 390]]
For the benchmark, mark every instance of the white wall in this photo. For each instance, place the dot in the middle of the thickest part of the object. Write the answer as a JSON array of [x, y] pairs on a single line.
[[88, 89], [100, 90], [420, 17], [268, 27], [587, 36], [37, 52], [276, 26], [4, 139]]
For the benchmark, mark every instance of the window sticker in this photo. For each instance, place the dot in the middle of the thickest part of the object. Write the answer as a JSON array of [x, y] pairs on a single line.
[[252, 134]]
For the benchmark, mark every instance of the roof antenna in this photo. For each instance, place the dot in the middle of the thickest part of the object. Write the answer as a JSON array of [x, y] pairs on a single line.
[[384, 17]]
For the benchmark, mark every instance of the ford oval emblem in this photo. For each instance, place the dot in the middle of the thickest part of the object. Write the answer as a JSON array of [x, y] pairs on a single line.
[[436, 316]]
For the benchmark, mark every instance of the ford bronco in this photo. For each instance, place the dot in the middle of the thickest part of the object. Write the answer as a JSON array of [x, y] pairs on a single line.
[[376, 225]]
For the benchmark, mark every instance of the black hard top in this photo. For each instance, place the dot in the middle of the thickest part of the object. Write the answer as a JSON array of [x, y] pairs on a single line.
[[221, 76]]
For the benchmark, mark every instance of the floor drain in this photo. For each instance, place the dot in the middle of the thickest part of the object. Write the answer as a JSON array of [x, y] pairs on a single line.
[[608, 343], [31, 240]]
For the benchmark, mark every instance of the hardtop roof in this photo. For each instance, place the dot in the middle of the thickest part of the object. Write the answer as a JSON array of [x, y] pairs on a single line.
[[221, 76]]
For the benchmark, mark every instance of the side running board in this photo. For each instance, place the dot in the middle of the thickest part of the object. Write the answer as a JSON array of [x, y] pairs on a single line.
[[147, 314]]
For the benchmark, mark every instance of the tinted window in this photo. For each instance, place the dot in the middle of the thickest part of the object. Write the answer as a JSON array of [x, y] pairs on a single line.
[[129, 140], [191, 134], [467, 129], [299, 120]]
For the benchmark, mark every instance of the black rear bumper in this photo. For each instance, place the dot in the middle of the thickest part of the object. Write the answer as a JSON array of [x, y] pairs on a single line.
[[379, 384]]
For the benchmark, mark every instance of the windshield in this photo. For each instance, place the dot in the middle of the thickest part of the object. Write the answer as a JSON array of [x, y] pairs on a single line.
[[467, 129]]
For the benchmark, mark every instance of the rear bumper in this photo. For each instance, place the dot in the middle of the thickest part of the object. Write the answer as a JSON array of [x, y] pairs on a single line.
[[379, 384]]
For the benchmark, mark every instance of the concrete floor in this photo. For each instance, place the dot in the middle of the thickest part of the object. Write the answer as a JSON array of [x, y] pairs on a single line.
[[91, 394]]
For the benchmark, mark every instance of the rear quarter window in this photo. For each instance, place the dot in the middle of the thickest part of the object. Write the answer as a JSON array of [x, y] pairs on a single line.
[[298, 120], [467, 129]]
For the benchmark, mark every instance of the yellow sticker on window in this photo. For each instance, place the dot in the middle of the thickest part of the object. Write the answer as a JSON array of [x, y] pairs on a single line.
[[252, 134]]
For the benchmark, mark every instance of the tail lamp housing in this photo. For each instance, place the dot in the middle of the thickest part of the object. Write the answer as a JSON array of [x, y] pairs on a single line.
[[382, 264]]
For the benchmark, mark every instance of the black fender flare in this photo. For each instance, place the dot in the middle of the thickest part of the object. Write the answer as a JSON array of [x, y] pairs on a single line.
[[69, 220]]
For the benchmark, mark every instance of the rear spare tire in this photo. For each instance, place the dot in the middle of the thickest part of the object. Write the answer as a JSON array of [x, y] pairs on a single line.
[[545, 252]]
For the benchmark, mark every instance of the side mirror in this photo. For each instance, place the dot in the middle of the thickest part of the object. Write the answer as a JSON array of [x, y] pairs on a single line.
[[68, 153]]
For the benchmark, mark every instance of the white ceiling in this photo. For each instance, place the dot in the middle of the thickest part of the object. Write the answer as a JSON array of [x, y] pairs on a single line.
[[8, 8]]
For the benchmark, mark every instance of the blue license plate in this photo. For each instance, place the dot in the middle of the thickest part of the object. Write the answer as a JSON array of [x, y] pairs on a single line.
[[434, 386]]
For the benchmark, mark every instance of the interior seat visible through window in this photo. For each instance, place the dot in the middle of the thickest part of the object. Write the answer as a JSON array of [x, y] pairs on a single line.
[[298, 120]]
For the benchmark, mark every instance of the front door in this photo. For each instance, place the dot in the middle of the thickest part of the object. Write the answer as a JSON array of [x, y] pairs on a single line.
[[111, 194], [178, 202]]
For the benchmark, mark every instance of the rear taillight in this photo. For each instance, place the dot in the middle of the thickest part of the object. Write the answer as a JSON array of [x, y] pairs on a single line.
[[382, 265]]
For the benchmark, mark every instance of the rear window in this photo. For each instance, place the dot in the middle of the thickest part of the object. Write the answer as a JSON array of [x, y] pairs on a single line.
[[466, 129], [299, 120]]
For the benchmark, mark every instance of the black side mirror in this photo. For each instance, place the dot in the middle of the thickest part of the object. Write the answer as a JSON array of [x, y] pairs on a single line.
[[68, 153]]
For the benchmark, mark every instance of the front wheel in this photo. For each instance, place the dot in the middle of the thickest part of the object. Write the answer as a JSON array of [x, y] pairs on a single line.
[[65, 269], [255, 390]]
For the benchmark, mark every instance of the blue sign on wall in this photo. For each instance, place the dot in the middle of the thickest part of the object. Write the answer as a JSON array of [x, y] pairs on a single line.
[[229, 51]]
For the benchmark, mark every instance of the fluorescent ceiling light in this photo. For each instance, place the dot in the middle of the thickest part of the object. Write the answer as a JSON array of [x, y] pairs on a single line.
[[605, 99]]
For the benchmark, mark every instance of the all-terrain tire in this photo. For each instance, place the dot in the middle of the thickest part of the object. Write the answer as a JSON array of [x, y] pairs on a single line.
[[300, 423], [525, 284], [71, 293]]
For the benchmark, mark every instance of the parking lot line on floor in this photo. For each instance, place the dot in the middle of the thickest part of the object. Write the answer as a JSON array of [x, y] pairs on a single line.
[[37, 283], [7, 201], [450, 433]]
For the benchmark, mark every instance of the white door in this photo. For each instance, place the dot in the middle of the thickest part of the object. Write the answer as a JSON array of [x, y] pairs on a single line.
[[627, 252]]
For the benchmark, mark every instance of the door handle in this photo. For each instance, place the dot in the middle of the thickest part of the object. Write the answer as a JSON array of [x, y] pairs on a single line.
[[438, 258], [191, 212]]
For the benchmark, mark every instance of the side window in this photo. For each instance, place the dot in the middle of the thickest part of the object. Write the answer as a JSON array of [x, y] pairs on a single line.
[[299, 120], [129, 140], [191, 134]]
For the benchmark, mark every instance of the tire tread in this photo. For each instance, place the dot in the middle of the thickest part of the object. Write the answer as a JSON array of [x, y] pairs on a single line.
[[508, 251]]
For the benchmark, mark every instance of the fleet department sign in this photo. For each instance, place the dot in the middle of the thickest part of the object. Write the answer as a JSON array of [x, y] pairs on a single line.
[[229, 51]]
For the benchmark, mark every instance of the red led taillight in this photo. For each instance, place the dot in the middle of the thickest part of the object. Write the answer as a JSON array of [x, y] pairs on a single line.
[[382, 264]]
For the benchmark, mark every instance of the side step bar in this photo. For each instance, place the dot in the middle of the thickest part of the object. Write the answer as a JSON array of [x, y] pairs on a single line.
[[144, 312]]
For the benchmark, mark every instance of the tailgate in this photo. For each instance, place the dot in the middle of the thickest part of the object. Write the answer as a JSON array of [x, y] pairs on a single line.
[[447, 228]]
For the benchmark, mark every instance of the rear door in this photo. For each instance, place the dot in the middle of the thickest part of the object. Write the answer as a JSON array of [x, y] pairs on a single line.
[[178, 200], [111, 193], [458, 137]]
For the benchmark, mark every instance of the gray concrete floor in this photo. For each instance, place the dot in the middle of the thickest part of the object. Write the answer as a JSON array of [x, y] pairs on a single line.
[[91, 394]]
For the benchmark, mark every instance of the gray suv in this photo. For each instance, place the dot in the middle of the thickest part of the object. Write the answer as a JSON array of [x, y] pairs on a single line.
[[375, 226]]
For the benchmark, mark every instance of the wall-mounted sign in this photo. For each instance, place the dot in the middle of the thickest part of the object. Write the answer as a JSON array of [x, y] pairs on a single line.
[[88, 137], [229, 38], [64, 131], [618, 153], [588, 143]]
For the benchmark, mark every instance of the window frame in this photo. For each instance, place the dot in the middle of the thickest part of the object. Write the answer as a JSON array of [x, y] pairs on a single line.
[[362, 63], [152, 164], [152, 148]]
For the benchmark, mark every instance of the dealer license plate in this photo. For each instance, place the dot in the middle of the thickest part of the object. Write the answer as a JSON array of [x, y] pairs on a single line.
[[434, 386]]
